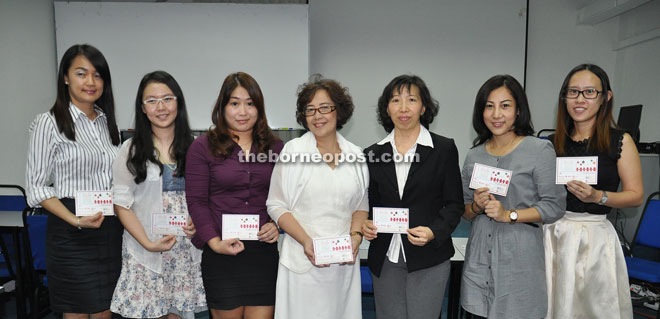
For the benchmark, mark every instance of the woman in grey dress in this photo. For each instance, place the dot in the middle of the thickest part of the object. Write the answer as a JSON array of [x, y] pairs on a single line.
[[503, 274]]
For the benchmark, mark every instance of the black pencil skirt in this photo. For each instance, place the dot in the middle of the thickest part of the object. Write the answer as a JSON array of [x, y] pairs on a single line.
[[247, 279], [83, 265]]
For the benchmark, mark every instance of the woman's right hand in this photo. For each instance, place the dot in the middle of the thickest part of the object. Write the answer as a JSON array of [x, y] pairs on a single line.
[[164, 243], [480, 199], [91, 221], [308, 246], [369, 231], [230, 247]]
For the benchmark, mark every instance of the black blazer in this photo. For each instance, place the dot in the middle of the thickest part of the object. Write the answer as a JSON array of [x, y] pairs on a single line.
[[433, 193]]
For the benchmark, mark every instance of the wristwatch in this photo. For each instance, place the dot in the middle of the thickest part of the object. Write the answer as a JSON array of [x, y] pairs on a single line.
[[357, 233], [603, 199], [513, 216]]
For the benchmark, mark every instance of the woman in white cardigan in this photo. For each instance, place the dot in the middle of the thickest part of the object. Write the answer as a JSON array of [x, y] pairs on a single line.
[[161, 275], [313, 200]]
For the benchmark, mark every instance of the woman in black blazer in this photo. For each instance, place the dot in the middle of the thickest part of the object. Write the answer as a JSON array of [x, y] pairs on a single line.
[[415, 169]]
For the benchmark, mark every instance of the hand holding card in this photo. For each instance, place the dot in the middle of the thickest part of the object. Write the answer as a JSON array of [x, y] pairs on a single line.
[[496, 179]]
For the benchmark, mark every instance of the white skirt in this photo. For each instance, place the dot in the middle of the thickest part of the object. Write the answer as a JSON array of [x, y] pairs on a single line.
[[321, 293], [585, 270]]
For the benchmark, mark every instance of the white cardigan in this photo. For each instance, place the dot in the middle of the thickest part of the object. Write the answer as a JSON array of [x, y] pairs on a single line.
[[144, 199], [289, 179]]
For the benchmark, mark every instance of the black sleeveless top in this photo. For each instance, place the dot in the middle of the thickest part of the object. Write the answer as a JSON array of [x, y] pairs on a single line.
[[608, 175]]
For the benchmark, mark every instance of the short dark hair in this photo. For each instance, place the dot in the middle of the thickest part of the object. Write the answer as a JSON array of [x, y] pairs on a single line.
[[522, 126], [142, 145], [106, 101], [338, 94], [398, 83]]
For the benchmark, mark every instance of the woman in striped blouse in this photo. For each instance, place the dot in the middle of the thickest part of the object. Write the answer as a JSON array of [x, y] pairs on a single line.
[[72, 148]]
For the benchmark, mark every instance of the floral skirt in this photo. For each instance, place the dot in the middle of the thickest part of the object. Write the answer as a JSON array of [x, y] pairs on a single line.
[[143, 293]]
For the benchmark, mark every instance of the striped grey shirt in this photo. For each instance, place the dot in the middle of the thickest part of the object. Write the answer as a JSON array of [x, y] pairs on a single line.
[[58, 167]]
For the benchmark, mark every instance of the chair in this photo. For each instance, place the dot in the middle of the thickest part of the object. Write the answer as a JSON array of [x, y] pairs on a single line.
[[35, 255], [545, 133], [647, 235]]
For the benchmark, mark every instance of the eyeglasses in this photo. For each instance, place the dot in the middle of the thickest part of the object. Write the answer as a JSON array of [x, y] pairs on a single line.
[[322, 109], [587, 93], [166, 100]]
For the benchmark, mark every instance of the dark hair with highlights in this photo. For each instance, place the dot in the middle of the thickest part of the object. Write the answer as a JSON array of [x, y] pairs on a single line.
[[600, 140], [220, 138], [106, 102], [398, 83], [338, 94], [142, 145], [522, 126]]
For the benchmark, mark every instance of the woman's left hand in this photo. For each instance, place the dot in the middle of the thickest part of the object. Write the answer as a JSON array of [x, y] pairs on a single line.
[[420, 235], [190, 229], [268, 233], [356, 240], [584, 191], [495, 210]]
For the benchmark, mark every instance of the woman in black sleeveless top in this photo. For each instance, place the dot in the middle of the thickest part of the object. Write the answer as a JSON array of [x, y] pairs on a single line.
[[585, 269]]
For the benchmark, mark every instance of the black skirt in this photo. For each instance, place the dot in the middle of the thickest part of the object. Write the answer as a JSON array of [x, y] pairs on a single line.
[[83, 265], [247, 279]]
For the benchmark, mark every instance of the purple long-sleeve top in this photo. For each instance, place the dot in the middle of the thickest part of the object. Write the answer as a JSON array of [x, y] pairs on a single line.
[[216, 186]]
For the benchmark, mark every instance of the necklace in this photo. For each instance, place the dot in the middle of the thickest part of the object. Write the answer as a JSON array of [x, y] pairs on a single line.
[[501, 151]]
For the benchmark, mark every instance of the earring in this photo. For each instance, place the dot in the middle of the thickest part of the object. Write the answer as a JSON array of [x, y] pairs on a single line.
[[66, 83]]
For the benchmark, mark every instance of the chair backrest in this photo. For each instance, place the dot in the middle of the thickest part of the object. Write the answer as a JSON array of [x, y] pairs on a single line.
[[35, 245], [649, 224]]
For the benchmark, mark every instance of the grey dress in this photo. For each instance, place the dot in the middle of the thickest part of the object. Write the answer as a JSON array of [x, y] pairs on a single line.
[[504, 270]]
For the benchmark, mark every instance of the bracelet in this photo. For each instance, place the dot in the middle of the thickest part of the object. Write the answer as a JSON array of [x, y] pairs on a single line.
[[79, 228], [474, 211]]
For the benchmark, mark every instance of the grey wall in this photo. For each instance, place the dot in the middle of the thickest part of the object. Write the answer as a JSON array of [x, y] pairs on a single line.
[[27, 73]]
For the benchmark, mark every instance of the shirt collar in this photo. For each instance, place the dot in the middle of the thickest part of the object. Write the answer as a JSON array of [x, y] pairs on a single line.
[[76, 113], [424, 138]]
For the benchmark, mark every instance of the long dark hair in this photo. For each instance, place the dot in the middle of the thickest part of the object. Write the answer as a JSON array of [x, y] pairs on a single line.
[[142, 145], [522, 126], [398, 83], [220, 139], [106, 102], [600, 140]]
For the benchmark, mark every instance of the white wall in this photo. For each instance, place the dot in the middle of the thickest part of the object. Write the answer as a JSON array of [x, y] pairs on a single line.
[[199, 44], [27, 84], [454, 46], [638, 69], [556, 45]]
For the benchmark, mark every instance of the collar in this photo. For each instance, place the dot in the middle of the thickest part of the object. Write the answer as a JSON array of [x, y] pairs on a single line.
[[76, 113], [424, 138]]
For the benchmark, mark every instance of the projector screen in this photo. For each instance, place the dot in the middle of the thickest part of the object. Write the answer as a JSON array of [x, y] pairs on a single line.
[[199, 44]]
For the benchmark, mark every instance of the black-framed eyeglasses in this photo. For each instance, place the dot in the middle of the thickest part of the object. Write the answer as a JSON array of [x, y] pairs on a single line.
[[166, 100], [322, 109], [587, 93]]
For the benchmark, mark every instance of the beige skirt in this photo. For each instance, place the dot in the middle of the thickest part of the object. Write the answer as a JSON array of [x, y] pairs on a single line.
[[585, 270]]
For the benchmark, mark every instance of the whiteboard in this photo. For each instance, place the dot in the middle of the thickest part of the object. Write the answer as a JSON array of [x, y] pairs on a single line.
[[199, 44]]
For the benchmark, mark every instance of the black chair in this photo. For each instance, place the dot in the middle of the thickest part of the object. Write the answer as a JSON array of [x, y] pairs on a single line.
[[646, 235]]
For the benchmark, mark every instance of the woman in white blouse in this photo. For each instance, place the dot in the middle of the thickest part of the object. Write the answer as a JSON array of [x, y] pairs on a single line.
[[313, 200], [71, 149], [161, 274]]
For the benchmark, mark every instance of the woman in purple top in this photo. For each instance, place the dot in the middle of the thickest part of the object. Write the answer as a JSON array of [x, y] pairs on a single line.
[[223, 176]]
